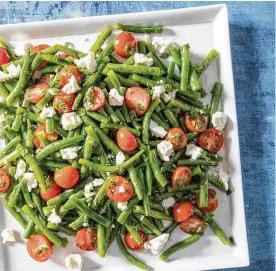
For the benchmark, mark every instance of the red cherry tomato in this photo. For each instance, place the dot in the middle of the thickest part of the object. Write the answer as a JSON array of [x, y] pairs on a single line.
[[86, 239], [50, 136], [4, 56], [64, 55], [137, 99], [39, 247], [67, 72], [212, 201], [5, 180], [196, 123], [132, 244], [177, 137], [63, 102], [192, 225], [52, 189], [123, 44], [67, 177], [126, 140], [181, 177], [182, 211], [97, 99], [119, 189], [46, 79], [211, 140], [36, 92], [37, 49]]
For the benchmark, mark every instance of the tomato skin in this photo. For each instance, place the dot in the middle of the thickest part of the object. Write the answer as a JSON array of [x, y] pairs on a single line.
[[37, 49], [212, 201], [137, 99], [67, 72], [52, 190], [211, 140], [46, 79], [182, 211], [132, 244], [39, 247], [86, 240], [5, 180], [126, 140], [36, 92], [50, 136], [67, 100], [177, 137], [119, 189], [4, 56], [192, 225], [97, 100], [199, 124], [64, 55], [181, 177], [123, 44], [67, 177]]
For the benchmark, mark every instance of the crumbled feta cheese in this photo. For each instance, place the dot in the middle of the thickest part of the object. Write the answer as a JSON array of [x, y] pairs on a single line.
[[19, 50], [193, 151], [122, 205], [36, 75], [157, 91], [122, 189], [168, 202], [102, 211], [8, 235], [113, 226], [161, 45], [73, 261], [120, 158], [20, 168], [98, 181], [89, 190], [72, 86], [88, 62], [70, 121], [13, 70], [85, 224], [219, 120], [146, 38], [54, 218], [4, 76], [47, 112], [31, 180], [157, 130], [143, 59], [165, 150], [156, 245], [70, 153], [224, 177], [167, 97], [2, 124], [115, 98]]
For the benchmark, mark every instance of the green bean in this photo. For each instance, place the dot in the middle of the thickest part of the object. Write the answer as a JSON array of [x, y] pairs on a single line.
[[171, 228], [98, 117], [157, 63], [99, 196], [153, 213], [68, 205], [157, 206], [171, 118], [29, 230], [15, 193], [186, 107], [176, 56], [9, 146], [166, 166], [140, 29], [159, 121], [215, 101], [122, 218], [53, 59], [27, 196], [190, 101], [185, 63], [101, 241], [216, 182], [149, 179], [189, 187], [9, 158], [135, 181], [89, 144], [218, 231], [114, 79], [108, 229], [107, 50], [158, 224], [9, 50], [38, 203], [153, 53], [50, 125], [195, 83], [203, 193], [198, 162], [146, 203], [51, 69], [119, 126], [126, 81], [78, 223], [3, 91], [171, 69], [213, 54], [148, 224], [41, 135], [141, 47]]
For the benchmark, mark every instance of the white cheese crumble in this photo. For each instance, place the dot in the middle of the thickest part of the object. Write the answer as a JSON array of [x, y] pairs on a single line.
[[161, 45], [72, 86], [13, 70], [224, 177], [70, 121], [219, 120], [167, 97], [89, 190], [31, 180], [122, 205], [98, 181], [8, 235], [120, 158], [70, 153], [47, 112], [115, 98], [73, 261], [142, 59], [54, 218], [88, 62], [168, 202], [19, 50], [165, 150], [193, 151], [156, 245], [157, 130], [86, 225], [157, 92], [20, 168], [4, 76]]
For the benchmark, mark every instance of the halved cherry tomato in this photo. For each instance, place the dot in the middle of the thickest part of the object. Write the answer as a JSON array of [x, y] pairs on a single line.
[[50, 136], [212, 201], [181, 177], [67, 177], [182, 211], [195, 123], [97, 99], [86, 239], [38, 48], [177, 137], [119, 189], [132, 244], [123, 44], [193, 224], [46, 79], [63, 102], [126, 140], [67, 72], [64, 55], [52, 189], [5, 180], [36, 92], [39, 247], [137, 99], [211, 140], [4, 56]]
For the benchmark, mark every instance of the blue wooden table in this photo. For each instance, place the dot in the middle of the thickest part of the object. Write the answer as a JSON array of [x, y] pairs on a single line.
[[252, 29]]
